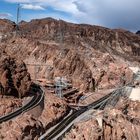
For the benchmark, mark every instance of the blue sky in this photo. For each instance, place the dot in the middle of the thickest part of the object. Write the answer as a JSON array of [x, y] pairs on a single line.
[[108, 13], [9, 9]]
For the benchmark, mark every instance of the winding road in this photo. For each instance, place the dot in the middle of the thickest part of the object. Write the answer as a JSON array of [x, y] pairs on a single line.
[[38, 97], [62, 127], [67, 122]]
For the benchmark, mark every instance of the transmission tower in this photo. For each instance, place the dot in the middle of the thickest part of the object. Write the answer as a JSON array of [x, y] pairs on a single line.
[[58, 87], [18, 16], [60, 32]]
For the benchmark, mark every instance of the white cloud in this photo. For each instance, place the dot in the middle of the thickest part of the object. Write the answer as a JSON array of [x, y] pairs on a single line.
[[32, 7], [110, 13], [5, 15], [18, 1], [61, 5]]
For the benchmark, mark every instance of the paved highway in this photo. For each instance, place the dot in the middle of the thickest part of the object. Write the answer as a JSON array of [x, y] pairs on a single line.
[[66, 123], [38, 97]]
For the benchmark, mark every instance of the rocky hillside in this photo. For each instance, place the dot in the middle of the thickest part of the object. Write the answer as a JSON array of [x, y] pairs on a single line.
[[118, 41], [14, 78], [90, 56], [114, 123], [6, 26], [138, 32], [93, 58]]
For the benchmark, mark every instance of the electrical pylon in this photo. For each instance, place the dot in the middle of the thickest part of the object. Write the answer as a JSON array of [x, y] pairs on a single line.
[[18, 15]]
